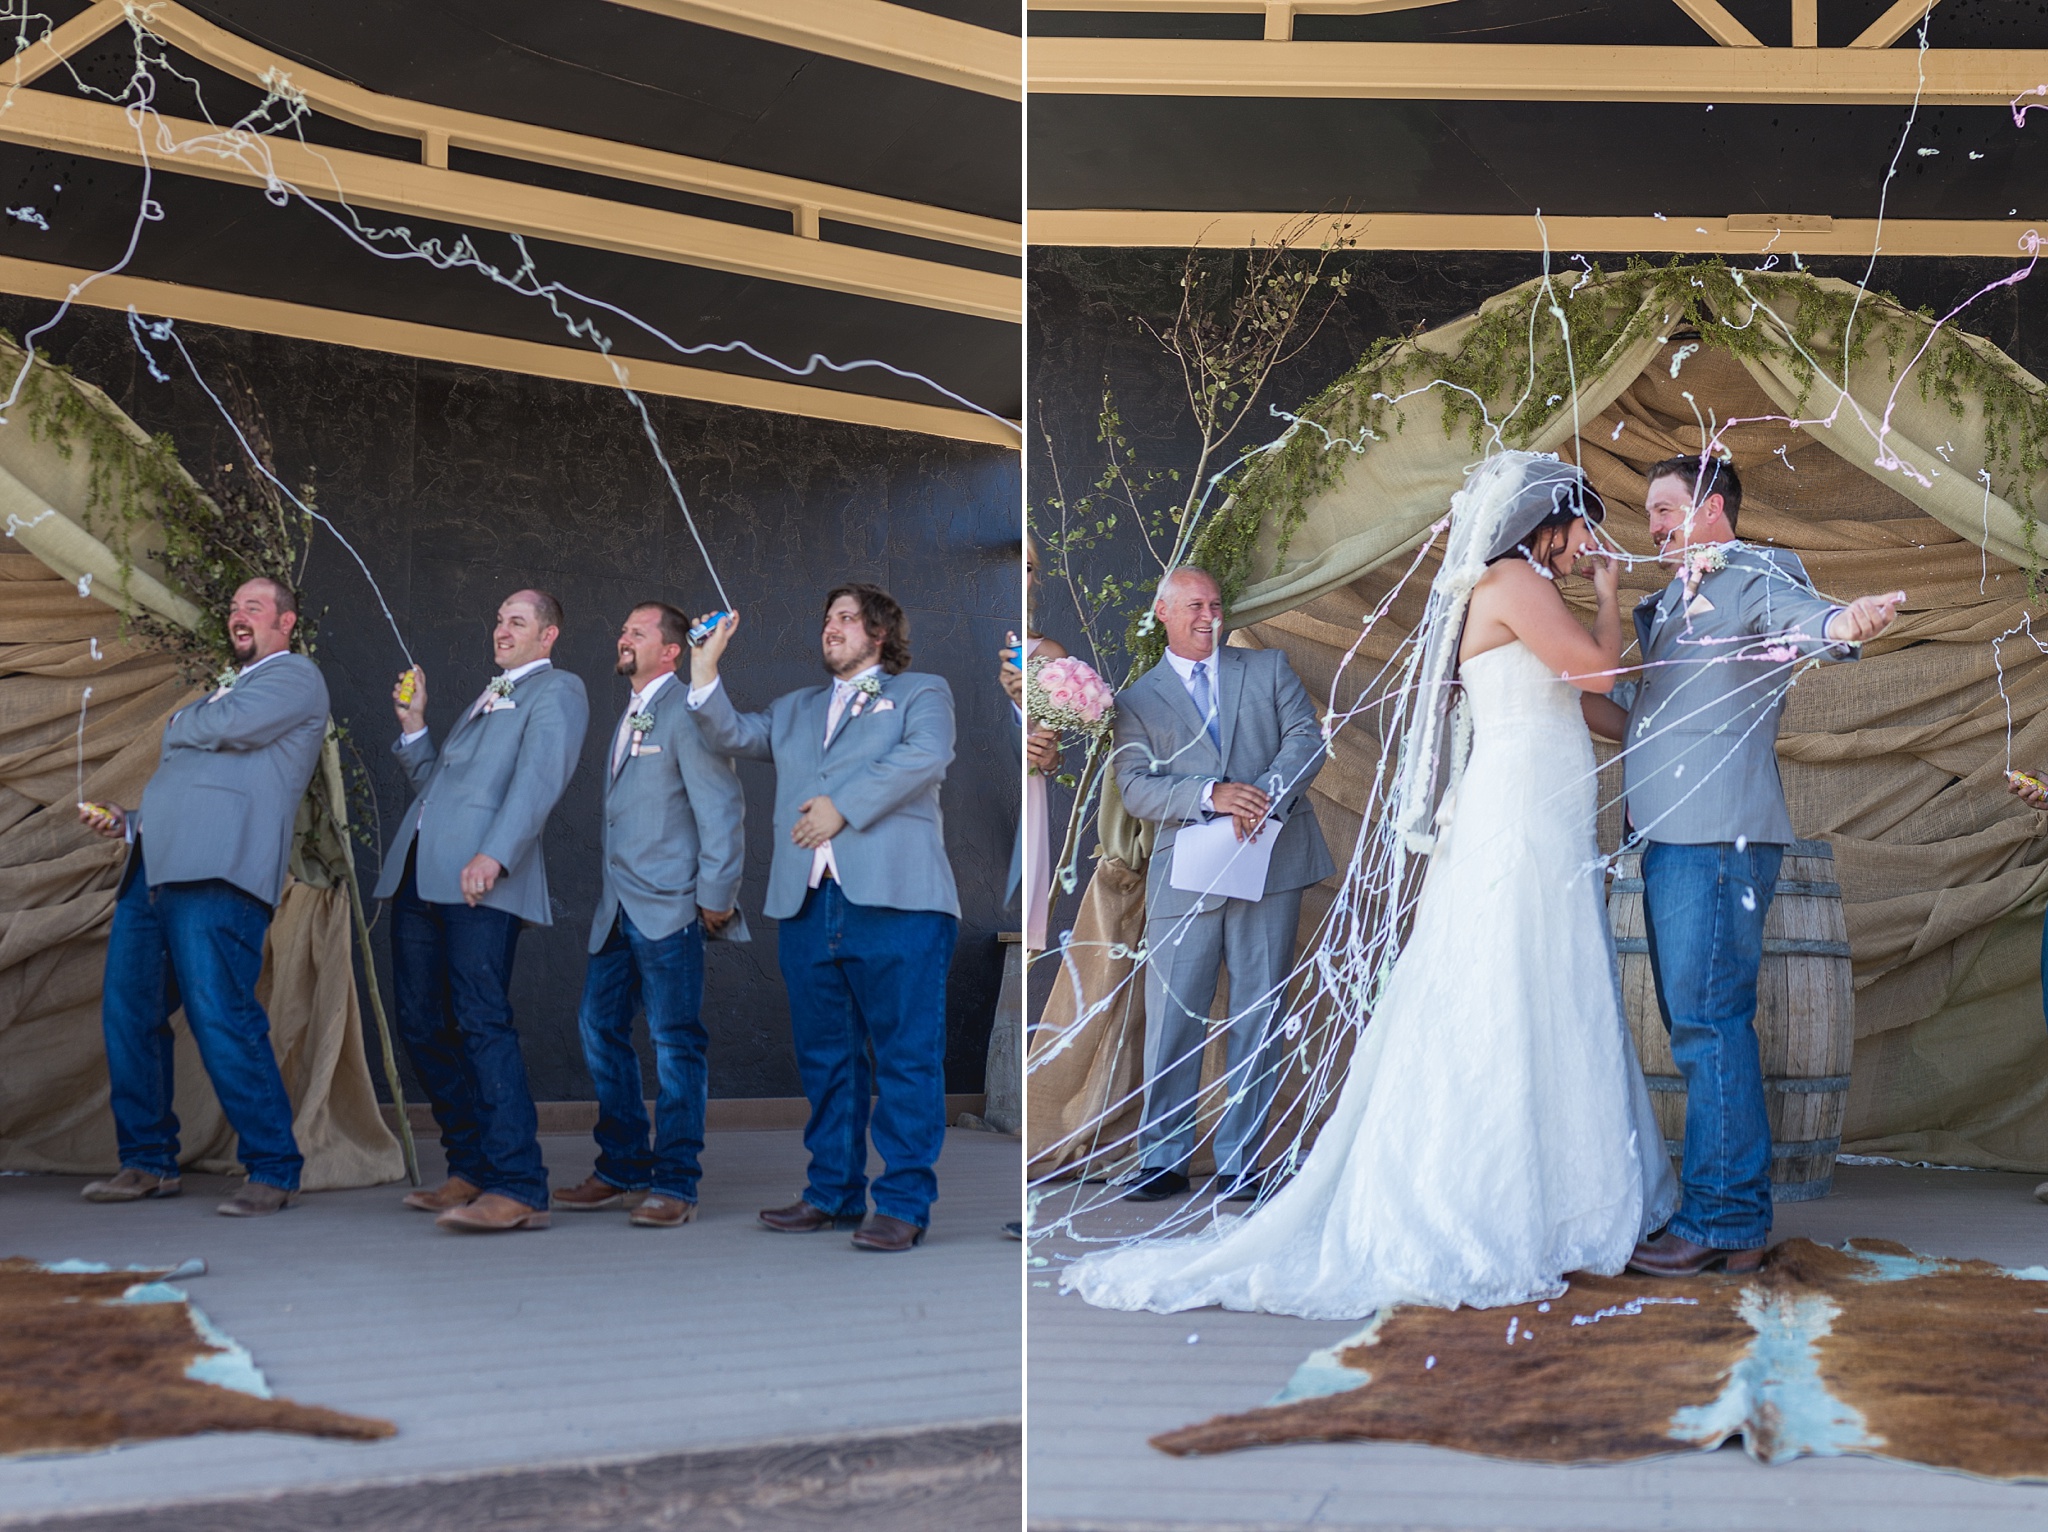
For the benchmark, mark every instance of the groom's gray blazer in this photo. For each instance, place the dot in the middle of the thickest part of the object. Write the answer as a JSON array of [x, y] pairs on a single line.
[[489, 788], [1701, 761], [226, 792], [882, 770], [674, 826], [1271, 739]]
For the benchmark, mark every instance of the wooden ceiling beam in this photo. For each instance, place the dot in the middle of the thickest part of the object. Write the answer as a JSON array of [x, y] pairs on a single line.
[[1113, 66], [59, 43], [438, 128], [69, 125], [1750, 235], [1718, 24], [1895, 23], [466, 348], [871, 32]]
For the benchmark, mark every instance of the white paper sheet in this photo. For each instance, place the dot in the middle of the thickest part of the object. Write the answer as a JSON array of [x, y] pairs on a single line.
[[1210, 859]]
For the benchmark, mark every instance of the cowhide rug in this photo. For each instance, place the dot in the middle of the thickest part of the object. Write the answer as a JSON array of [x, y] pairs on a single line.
[[1868, 1349], [90, 1358]]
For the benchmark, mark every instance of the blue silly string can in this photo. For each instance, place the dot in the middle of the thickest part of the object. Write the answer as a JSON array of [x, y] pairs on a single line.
[[701, 628]]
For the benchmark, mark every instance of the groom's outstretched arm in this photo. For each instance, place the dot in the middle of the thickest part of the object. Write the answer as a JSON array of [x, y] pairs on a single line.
[[1780, 603]]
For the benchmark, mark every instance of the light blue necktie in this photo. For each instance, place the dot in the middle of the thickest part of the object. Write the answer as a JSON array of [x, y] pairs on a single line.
[[1206, 704]]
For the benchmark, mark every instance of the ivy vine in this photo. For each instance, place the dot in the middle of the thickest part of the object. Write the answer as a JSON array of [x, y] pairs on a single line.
[[1530, 347]]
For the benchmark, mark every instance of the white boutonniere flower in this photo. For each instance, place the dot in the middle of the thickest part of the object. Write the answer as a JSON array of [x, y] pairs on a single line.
[[225, 681], [641, 725], [866, 689], [1699, 561], [500, 694]]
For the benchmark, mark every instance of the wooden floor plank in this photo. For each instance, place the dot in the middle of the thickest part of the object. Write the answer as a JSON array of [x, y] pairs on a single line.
[[1102, 1382]]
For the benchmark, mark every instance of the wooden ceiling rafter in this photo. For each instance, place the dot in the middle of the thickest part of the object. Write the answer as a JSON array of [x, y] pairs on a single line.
[[1122, 66], [897, 38], [1743, 234], [440, 128], [500, 353], [1280, 14], [1716, 21], [101, 130]]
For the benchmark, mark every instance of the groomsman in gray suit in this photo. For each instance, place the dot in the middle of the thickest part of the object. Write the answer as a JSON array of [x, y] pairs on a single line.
[[1208, 732], [1719, 647], [195, 904], [464, 872], [674, 845], [868, 911]]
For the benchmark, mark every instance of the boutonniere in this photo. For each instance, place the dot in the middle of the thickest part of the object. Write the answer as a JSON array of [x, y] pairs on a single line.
[[866, 690], [1699, 561], [224, 682], [642, 724], [499, 694]]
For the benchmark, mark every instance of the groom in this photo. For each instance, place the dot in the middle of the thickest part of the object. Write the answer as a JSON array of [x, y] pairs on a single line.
[[1718, 647]]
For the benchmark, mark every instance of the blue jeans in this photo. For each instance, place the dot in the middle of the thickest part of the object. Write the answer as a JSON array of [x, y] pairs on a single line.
[[667, 975], [451, 969], [201, 943], [1704, 907], [859, 975]]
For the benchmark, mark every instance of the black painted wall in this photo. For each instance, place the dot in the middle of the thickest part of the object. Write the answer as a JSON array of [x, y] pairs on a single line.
[[459, 486]]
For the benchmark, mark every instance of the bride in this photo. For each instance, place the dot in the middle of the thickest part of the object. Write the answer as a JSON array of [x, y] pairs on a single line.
[[1493, 1132]]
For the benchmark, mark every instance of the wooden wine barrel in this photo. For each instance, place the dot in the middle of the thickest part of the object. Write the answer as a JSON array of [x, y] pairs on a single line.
[[1805, 1017]]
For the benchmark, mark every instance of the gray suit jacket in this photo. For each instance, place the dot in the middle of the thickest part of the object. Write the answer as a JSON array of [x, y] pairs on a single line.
[[1271, 739], [490, 789], [227, 787], [1701, 761], [674, 826], [882, 770]]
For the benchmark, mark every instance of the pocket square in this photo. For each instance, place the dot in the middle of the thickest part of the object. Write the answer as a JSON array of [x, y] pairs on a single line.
[[647, 750], [1700, 607], [884, 705]]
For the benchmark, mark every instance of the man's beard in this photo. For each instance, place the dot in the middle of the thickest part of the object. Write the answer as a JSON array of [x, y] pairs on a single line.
[[243, 649], [853, 664], [629, 664]]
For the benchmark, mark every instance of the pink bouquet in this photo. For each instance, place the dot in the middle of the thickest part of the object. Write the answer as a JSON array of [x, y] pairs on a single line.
[[1067, 695]]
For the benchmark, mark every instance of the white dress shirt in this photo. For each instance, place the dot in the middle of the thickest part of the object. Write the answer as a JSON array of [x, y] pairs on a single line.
[[514, 675], [641, 698], [842, 697], [1185, 669]]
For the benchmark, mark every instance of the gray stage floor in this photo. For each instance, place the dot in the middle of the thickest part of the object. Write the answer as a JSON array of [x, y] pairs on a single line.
[[590, 1341], [1102, 1382]]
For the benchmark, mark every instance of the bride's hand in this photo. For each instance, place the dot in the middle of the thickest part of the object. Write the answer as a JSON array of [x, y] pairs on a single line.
[[1604, 569]]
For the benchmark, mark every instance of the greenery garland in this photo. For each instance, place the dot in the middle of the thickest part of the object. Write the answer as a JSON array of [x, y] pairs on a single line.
[[1605, 314]]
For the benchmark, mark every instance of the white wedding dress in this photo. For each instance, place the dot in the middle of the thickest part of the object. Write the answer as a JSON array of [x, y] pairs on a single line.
[[1493, 1132]]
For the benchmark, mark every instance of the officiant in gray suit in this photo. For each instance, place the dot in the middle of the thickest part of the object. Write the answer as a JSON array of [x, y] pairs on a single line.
[[674, 846], [464, 873], [1719, 647], [1207, 733]]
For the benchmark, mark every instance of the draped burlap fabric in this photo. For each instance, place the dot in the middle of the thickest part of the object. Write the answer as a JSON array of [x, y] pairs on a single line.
[[1896, 759], [60, 634]]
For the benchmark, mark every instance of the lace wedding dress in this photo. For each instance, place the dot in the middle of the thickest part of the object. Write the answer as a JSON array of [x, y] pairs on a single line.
[[1493, 1132]]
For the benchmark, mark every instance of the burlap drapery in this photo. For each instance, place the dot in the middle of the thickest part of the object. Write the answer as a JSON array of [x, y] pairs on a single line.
[[60, 633], [1896, 759]]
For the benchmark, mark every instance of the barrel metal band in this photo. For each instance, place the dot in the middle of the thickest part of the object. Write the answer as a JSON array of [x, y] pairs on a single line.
[[1786, 888], [1790, 1085], [1797, 1149], [1774, 946]]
